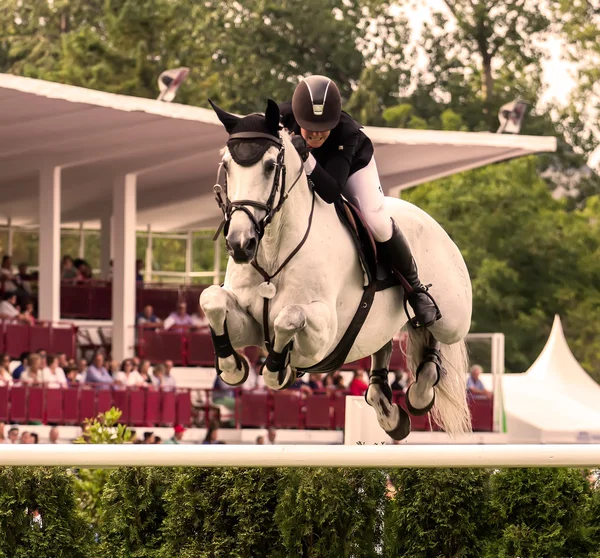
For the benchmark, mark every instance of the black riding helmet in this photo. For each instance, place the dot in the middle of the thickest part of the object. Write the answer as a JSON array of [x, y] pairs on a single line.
[[317, 104]]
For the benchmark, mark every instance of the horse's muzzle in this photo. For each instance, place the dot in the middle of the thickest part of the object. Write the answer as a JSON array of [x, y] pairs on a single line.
[[241, 247]]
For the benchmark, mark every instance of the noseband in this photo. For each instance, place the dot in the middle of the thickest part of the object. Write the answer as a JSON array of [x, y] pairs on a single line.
[[271, 207]]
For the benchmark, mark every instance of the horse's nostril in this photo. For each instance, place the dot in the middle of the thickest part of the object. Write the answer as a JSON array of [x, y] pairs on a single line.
[[250, 244]]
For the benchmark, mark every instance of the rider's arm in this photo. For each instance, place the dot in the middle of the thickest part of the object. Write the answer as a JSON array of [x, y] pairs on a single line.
[[330, 179]]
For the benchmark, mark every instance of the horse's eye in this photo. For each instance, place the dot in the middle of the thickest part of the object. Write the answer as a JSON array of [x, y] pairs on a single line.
[[269, 167]]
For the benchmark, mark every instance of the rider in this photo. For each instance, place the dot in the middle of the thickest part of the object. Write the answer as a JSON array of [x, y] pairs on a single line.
[[339, 159]]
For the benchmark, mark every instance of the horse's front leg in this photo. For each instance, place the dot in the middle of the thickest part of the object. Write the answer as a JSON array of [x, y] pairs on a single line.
[[230, 327], [309, 327]]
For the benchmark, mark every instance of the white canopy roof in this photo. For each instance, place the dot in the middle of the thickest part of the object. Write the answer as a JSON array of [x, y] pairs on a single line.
[[174, 148], [555, 401]]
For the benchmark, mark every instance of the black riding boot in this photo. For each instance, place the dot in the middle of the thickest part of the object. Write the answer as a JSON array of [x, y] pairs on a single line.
[[399, 257]]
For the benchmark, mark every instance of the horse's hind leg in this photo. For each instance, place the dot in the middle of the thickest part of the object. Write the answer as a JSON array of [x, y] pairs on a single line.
[[230, 327], [392, 418], [420, 396]]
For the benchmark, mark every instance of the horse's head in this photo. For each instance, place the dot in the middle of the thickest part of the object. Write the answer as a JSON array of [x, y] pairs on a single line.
[[253, 163]]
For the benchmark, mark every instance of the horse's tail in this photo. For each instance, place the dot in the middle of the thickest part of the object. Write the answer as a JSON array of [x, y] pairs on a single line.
[[451, 410]]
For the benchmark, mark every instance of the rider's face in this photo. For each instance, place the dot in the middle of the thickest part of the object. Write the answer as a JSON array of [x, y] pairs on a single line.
[[314, 139]]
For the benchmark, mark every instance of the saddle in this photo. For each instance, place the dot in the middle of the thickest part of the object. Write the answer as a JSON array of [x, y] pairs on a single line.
[[377, 278]]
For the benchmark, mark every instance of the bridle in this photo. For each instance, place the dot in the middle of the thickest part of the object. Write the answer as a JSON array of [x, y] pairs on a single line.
[[270, 208]]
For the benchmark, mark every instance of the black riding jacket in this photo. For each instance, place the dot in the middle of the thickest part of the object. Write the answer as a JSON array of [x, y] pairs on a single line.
[[345, 151]]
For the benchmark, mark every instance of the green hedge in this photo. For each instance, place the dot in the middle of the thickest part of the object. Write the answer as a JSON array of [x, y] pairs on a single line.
[[238, 512]]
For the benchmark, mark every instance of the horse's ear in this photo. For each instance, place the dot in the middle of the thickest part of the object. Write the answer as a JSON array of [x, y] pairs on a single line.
[[272, 117], [228, 120]]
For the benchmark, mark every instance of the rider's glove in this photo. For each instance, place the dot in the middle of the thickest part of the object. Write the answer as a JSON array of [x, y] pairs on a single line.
[[301, 147]]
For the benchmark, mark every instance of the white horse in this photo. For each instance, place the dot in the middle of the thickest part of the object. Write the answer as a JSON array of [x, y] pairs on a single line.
[[314, 297]]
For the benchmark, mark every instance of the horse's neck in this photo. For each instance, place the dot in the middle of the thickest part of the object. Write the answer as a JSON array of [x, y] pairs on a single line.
[[288, 227]]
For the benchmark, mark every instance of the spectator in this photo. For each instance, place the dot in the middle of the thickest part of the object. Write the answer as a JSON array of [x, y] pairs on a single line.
[[358, 386], [97, 373], [145, 371], [62, 360], [73, 377], [157, 439], [328, 383], [212, 434], [13, 435], [127, 376], [8, 307], [338, 382], [223, 394], [82, 366], [25, 438], [23, 279], [43, 354], [35, 439], [21, 368], [148, 438], [28, 314], [54, 435], [400, 381], [139, 277], [179, 431], [475, 385], [68, 271], [53, 376], [33, 374], [148, 318], [7, 278], [84, 269], [158, 376], [260, 440], [271, 435], [6, 378], [315, 382], [179, 320], [168, 382], [199, 319], [3, 440]]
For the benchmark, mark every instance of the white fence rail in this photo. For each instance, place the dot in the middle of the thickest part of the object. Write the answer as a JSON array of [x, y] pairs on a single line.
[[403, 455]]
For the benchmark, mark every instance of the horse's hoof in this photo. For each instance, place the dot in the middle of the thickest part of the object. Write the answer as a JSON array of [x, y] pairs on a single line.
[[236, 377], [272, 378], [418, 412], [402, 428]]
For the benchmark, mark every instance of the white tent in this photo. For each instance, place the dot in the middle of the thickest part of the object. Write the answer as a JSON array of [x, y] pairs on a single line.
[[555, 401]]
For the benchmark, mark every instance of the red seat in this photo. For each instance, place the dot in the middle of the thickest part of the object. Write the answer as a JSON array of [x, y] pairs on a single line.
[[152, 411], [482, 414], [40, 337], [87, 404], [18, 404], [4, 398], [287, 410], [200, 349], [103, 400], [167, 408], [35, 403], [137, 407], [63, 340], [339, 410], [319, 411], [75, 301], [183, 408], [54, 406], [120, 400], [17, 339], [71, 405], [158, 346], [253, 409]]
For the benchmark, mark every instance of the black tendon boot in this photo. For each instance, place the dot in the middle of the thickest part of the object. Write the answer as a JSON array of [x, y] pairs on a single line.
[[399, 257]]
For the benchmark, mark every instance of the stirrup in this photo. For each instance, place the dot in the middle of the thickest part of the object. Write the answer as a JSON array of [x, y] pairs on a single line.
[[414, 322]]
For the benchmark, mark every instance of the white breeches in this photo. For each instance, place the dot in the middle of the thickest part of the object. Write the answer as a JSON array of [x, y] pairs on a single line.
[[363, 189]]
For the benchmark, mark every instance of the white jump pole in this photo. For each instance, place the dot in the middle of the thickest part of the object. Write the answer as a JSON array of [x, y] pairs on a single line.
[[403, 455]]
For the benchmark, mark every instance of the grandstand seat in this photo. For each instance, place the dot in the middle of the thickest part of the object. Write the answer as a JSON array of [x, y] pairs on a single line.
[[35, 404], [167, 408], [17, 339], [75, 301], [101, 301], [339, 410], [319, 411], [4, 398], [137, 407], [54, 406], [158, 346], [120, 400], [287, 410], [152, 408], [162, 300], [87, 404], [252, 409], [200, 349], [482, 414], [71, 405], [18, 404], [183, 408]]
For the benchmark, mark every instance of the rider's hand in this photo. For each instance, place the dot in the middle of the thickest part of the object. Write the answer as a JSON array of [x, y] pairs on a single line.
[[301, 147]]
